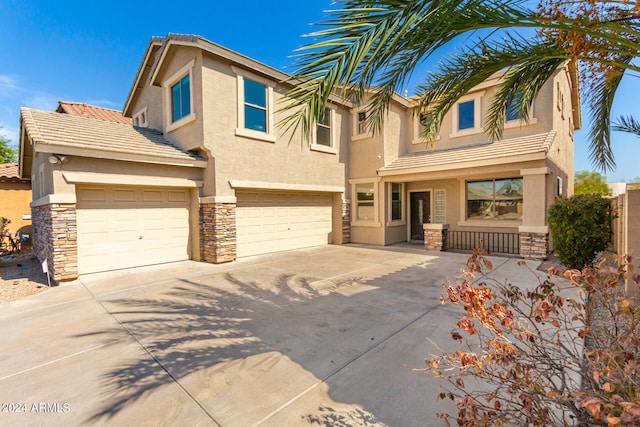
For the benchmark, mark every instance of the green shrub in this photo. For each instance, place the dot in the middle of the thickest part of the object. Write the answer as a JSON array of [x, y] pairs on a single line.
[[581, 228]]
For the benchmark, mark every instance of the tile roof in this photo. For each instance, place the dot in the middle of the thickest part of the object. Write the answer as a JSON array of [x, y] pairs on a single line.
[[69, 131], [449, 158], [85, 110], [9, 171]]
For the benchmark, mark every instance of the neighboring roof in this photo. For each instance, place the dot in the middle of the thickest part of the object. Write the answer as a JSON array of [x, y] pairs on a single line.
[[85, 110], [10, 172], [67, 134], [532, 147]]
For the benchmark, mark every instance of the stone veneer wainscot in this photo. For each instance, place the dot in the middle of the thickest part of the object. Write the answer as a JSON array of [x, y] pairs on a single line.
[[55, 239], [534, 245], [217, 232]]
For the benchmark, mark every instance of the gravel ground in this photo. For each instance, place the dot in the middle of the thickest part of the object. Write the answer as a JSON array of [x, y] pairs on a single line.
[[20, 276]]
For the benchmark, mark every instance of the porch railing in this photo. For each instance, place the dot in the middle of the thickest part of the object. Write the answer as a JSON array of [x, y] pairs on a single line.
[[504, 243]]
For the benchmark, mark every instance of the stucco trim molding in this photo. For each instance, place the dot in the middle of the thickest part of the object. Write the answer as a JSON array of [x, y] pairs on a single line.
[[54, 199], [137, 180], [218, 199], [540, 229], [535, 171], [261, 185]]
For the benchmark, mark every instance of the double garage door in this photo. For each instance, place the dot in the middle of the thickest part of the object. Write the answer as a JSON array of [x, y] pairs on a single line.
[[278, 221], [123, 227]]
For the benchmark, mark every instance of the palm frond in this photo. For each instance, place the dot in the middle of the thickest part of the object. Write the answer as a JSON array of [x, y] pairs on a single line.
[[601, 101], [627, 124]]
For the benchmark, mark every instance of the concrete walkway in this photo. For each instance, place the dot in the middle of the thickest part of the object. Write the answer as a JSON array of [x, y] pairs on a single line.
[[321, 336]]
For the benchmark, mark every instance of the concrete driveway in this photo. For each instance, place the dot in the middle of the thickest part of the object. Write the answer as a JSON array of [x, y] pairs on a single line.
[[323, 336]]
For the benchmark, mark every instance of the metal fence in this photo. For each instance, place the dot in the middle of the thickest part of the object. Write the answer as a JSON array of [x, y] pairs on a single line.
[[504, 243]]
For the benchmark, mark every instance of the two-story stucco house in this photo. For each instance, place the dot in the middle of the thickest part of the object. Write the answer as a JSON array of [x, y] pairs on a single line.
[[205, 173]]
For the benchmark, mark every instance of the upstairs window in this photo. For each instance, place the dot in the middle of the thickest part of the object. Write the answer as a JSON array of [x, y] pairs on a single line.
[[513, 112], [177, 99], [359, 127], [181, 98], [362, 122], [420, 124], [466, 117], [323, 129], [255, 106]]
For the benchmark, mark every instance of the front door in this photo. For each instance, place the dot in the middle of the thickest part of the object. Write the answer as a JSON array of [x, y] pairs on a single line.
[[420, 213]]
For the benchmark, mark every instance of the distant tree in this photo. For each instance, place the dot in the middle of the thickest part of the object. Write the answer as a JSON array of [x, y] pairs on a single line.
[[8, 154], [635, 184], [591, 182]]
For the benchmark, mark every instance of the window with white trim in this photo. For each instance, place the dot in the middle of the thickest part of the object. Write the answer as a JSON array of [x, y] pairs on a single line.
[[513, 112], [255, 106], [397, 201], [324, 135], [440, 206], [181, 98], [178, 98], [420, 124], [466, 115], [323, 129], [365, 201], [361, 123], [359, 127], [513, 117]]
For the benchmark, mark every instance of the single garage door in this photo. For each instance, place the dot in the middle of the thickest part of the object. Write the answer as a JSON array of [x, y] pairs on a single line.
[[123, 227], [277, 221]]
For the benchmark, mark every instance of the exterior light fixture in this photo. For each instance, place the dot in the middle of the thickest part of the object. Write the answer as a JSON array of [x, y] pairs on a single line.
[[56, 159]]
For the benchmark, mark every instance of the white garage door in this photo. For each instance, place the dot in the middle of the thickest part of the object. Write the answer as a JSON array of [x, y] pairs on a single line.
[[270, 222], [123, 227]]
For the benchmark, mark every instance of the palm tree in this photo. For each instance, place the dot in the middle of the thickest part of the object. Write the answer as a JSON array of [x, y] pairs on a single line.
[[368, 46]]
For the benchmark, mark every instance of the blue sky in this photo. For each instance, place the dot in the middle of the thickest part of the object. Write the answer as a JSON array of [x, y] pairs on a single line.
[[90, 51]]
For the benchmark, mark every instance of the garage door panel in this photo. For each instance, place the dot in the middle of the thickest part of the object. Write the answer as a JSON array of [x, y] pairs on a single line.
[[122, 227], [275, 221], [152, 196], [124, 195]]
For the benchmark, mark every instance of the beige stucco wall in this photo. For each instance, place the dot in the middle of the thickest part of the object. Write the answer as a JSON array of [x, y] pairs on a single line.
[[14, 202], [287, 161], [561, 154], [541, 121]]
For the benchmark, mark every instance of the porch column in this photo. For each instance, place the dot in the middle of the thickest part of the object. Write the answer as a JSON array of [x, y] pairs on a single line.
[[435, 236], [534, 231]]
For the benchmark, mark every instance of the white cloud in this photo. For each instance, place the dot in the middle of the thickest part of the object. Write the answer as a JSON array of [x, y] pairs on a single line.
[[104, 103], [43, 101], [8, 84], [12, 134]]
